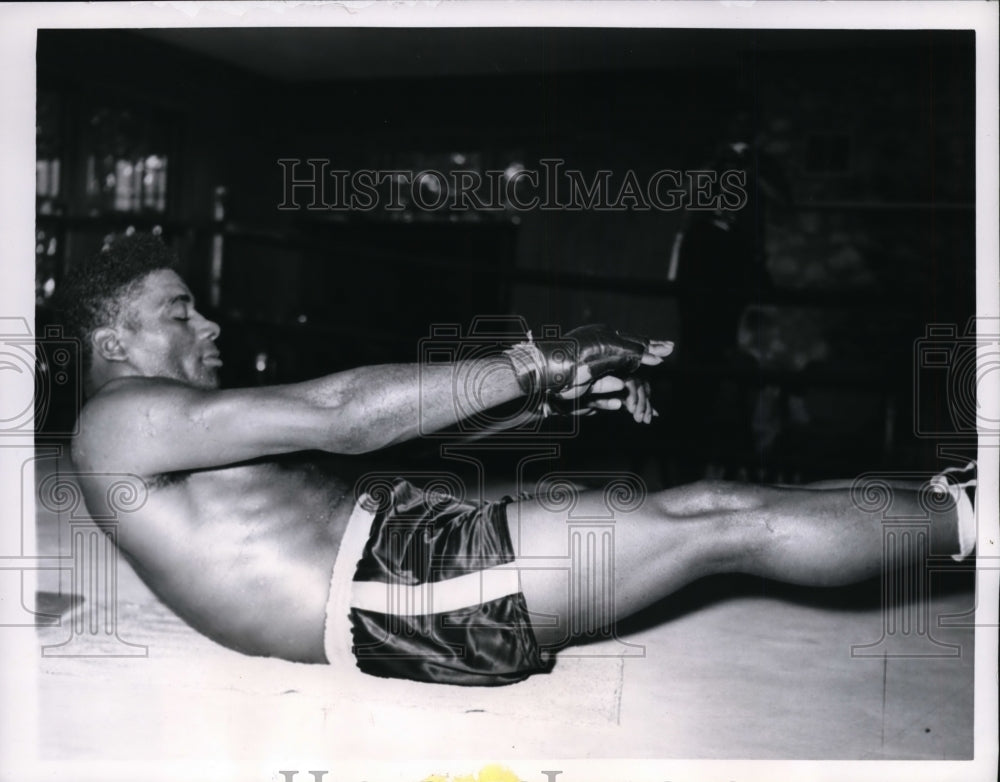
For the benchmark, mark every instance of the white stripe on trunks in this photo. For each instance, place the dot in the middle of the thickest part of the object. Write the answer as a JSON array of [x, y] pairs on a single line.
[[337, 629], [469, 590], [436, 597]]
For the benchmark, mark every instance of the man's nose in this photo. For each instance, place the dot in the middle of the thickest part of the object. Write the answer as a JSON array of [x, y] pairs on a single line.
[[209, 328]]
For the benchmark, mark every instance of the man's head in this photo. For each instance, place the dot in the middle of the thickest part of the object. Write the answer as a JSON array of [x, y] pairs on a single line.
[[134, 316]]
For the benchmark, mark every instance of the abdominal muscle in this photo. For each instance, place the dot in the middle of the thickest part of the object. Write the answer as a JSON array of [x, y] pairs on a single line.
[[244, 554]]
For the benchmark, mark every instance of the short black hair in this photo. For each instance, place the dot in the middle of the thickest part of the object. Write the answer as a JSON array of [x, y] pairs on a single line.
[[95, 294]]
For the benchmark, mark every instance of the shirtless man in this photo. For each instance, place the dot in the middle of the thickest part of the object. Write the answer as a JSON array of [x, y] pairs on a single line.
[[242, 524]]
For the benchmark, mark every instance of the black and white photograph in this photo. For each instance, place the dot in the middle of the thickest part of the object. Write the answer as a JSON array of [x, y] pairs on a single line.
[[499, 392]]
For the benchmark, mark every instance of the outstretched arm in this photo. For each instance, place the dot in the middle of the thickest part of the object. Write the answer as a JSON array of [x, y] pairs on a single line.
[[153, 425]]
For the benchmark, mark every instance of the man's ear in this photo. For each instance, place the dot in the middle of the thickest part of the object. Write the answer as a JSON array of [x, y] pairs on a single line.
[[107, 345]]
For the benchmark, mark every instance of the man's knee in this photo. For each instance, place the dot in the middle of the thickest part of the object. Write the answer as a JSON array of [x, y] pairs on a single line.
[[712, 496]]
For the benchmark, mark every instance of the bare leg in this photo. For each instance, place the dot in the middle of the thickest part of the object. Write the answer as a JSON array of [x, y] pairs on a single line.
[[811, 535]]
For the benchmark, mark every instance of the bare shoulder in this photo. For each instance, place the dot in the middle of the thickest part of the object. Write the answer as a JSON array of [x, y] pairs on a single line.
[[152, 426], [124, 414], [121, 399]]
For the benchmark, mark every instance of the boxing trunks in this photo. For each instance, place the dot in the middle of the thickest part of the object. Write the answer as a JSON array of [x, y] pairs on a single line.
[[434, 595]]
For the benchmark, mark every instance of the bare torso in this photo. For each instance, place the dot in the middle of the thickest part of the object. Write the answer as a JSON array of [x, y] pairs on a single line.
[[243, 553], [247, 498]]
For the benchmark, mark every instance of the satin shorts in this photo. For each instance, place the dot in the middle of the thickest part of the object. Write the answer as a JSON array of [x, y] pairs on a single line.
[[435, 595]]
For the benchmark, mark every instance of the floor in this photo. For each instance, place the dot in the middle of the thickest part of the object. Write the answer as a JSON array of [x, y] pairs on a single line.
[[731, 667]]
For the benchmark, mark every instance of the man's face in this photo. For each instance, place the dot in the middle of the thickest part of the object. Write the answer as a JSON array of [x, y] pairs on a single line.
[[165, 336]]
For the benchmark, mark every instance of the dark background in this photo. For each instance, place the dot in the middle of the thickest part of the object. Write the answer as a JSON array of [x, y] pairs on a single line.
[[799, 320]]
